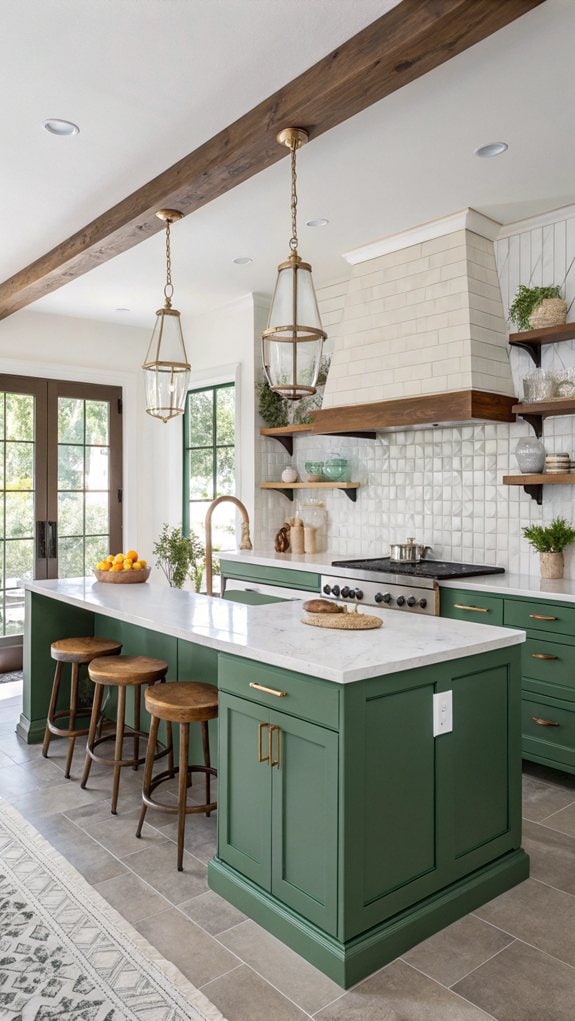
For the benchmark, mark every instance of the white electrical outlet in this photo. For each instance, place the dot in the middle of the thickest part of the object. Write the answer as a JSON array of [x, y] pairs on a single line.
[[442, 713]]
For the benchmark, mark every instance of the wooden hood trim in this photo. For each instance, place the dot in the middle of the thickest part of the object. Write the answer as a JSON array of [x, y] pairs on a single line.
[[440, 409]]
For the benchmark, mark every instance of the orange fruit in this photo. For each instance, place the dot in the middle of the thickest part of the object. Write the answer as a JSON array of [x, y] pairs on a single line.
[[137, 566], [116, 567], [143, 563], [105, 566], [110, 558], [119, 558], [127, 565], [132, 555]]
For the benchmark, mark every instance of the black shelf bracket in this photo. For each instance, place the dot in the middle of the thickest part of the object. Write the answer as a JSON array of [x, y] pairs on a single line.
[[536, 423], [287, 442], [285, 492], [535, 492], [350, 493], [533, 349]]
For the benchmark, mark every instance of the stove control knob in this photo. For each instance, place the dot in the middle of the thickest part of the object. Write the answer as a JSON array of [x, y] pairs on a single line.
[[358, 593], [335, 590], [327, 589], [411, 600], [345, 592], [379, 597], [400, 600], [422, 603]]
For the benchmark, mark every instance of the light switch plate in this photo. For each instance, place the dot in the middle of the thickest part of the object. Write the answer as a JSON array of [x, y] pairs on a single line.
[[442, 713]]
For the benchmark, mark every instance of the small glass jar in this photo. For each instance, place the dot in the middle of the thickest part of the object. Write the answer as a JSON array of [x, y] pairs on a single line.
[[314, 515], [539, 386]]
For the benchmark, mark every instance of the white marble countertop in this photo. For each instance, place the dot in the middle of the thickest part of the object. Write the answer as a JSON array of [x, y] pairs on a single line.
[[274, 633], [500, 584]]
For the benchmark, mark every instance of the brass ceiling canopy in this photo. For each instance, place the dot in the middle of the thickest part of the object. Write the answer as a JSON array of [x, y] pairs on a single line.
[[293, 340], [166, 367]]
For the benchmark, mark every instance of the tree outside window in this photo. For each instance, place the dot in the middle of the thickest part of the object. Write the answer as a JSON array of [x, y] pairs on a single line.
[[210, 460]]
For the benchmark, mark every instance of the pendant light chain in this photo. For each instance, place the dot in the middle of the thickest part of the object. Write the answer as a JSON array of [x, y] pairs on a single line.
[[169, 287], [293, 239]]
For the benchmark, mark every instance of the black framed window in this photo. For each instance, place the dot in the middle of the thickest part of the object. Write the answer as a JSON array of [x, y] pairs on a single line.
[[210, 459]]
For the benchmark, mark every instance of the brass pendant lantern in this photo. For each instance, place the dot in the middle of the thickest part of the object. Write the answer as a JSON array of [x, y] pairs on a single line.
[[293, 341], [166, 367]]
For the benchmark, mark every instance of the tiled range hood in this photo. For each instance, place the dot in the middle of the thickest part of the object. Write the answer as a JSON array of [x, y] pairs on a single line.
[[423, 337]]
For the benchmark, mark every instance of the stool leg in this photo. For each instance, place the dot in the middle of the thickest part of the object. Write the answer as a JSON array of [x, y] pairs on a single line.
[[170, 746], [148, 769], [182, 790], [96, 705], [137, 706], [120, 723], [52, 707], [206, 744], [72, 717]]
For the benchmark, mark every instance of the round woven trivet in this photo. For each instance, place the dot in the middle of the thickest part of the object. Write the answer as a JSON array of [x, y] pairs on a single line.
[[343, 621]]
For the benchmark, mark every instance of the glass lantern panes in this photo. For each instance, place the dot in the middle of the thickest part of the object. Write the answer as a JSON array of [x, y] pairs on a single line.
[[293, 340], [166, 368]]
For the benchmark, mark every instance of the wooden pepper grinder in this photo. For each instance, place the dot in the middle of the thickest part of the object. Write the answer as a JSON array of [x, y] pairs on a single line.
[[282, 539]]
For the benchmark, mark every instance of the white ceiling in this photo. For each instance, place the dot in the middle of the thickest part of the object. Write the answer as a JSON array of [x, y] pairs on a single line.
[[148, 82]]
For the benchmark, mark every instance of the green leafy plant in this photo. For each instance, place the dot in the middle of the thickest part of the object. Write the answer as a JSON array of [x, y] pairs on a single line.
[[551, 538], [180, 556], [526, 301], [271, 406]]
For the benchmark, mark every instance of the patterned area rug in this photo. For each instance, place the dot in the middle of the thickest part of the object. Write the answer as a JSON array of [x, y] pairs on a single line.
[[66, 954]]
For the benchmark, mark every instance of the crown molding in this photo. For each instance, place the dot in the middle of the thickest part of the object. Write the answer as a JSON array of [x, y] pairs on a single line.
[[464, 219], [539, 220]]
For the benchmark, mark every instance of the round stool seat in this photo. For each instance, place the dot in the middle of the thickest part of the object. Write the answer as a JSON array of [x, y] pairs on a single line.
[[124, 670], [182, 702], [83, 650]]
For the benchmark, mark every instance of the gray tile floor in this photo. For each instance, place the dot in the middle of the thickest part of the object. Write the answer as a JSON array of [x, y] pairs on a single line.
[[513, 959]]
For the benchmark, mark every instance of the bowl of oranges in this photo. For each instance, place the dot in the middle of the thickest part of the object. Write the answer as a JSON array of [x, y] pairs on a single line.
[[122, 569]]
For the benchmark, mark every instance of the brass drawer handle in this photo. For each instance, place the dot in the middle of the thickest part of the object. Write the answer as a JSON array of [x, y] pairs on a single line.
[[474, 609], [275, 761], [261, 756], [541, 616], [544, 723], [268, 691], [542, 655]]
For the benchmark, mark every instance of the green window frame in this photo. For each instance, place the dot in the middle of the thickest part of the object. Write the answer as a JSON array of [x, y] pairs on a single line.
[[211, 448]]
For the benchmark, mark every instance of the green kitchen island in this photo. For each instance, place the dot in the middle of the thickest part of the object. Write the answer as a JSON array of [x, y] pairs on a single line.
[[346, 828]]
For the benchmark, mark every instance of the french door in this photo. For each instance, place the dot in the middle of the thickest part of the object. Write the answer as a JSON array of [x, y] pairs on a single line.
[[60, 483]]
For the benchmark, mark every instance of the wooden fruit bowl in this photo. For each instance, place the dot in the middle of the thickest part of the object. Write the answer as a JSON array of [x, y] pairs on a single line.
[[123, 577]]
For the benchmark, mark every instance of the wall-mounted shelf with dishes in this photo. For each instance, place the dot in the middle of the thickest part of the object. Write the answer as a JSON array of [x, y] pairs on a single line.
[[349, 488], [533, 340], [533, 484]]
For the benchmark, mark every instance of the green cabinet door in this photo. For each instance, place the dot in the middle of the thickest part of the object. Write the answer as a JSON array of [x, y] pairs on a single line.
[[245, 786], [305, 818]]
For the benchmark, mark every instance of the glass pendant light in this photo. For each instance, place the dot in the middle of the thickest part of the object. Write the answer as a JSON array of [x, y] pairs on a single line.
[[293, 340], [166, 367]]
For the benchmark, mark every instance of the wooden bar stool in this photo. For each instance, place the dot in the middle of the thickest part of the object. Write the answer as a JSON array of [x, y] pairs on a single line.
[[77, 652], [120, 673], [184, 703]]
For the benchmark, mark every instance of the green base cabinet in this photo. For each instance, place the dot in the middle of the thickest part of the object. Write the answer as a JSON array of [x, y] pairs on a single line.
[[547, 667], [345, 827]]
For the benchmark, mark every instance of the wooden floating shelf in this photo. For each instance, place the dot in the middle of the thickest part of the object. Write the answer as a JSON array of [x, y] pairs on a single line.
[[533, 340], [287, 488], [285, 434], [536, 411], [533, 483]]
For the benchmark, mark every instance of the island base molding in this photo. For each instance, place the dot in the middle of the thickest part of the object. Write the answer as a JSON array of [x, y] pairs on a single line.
[[348, 963]]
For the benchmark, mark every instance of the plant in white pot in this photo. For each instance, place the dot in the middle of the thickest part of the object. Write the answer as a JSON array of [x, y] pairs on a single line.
[[550, 541]]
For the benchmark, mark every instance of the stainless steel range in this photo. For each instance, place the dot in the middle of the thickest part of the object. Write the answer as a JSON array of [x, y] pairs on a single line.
[[399, 586]]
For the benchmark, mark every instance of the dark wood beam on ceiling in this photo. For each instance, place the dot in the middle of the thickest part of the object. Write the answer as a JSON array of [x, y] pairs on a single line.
[[407, 42]]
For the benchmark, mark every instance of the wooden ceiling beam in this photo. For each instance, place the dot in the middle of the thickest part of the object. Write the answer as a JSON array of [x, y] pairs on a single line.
[[407, 42]]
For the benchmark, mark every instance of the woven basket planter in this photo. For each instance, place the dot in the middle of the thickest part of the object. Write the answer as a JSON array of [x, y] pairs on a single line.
[[549, 312]]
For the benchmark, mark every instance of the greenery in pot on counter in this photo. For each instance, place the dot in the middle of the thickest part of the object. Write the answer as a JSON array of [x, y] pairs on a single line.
[[181, 557], [526, 301], [553, 538]]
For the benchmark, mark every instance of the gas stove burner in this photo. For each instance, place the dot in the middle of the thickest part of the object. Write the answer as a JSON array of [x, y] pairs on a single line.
[[436, 569]]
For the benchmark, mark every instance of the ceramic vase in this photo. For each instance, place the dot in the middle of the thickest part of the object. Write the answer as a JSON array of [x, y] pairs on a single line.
[[552, 565], [530, 454]]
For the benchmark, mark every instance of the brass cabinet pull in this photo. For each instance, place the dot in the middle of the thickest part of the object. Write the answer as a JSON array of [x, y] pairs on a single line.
[[544, 723], [474, 609], [275, 761], [542, 655], [268, 691], [540, 616], [261, 756]]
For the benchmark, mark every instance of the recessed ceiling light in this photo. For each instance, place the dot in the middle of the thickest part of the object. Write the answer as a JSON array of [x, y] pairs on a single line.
[[491, 149], [243, 260], [320, 222], [56, 126]]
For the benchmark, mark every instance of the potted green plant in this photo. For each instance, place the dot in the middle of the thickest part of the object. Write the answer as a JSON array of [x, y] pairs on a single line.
[[272, 407], [536, 307], [550, 541], [181, 557]]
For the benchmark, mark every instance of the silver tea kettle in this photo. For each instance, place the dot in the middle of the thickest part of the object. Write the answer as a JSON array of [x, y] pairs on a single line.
[[409, 552]]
